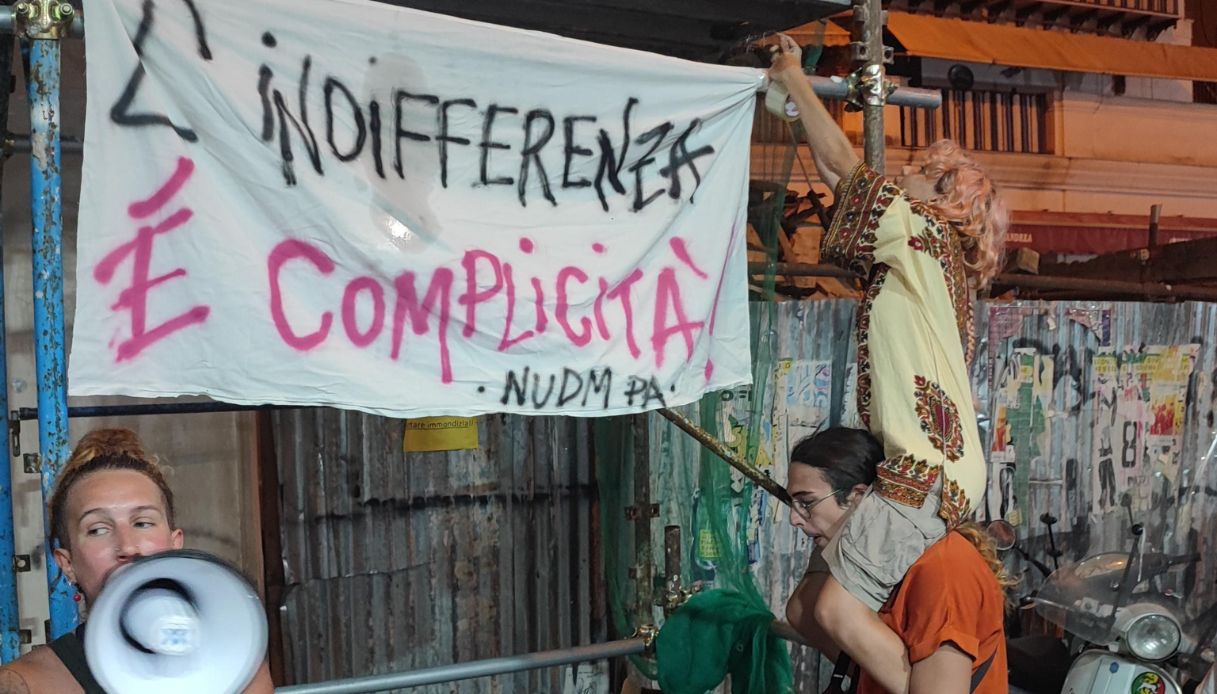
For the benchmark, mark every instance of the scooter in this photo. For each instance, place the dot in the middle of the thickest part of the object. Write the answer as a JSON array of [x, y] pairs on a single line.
[[1127, 632]]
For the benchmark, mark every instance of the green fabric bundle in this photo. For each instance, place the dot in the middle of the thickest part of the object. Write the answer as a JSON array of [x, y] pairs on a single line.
[[719, 632]]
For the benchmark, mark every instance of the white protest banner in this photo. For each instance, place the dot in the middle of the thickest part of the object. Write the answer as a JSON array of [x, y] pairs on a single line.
[[346, 203]]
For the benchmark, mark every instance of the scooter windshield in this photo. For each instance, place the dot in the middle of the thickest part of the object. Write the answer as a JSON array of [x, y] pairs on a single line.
[[1081, 598]]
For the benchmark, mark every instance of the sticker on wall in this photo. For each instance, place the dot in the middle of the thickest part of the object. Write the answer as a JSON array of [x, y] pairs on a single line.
[[849, 401], [1108, 431], [803, 397], [427, 434], [1096, 320], [1005, 322], [1022, 399], [1170, 371], [1141, 399]]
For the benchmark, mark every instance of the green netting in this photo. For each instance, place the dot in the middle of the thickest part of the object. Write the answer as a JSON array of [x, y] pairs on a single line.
[[709, 501]]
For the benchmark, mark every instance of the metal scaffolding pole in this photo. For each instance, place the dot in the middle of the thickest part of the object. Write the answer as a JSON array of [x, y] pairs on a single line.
[[43, 23], [868, 55], [803, 270], [477, 668], [502, 666], [21, 144], [643, 570], [1092, 287], [829, 88], [27, 413], [721, 450], [13, 22], [23, 414]]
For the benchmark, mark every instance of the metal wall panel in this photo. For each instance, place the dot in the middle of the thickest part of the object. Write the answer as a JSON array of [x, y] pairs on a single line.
[[399, 561], [1064, 478]]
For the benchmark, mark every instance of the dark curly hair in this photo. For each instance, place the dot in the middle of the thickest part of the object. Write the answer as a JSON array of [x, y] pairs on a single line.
[[845, 456]]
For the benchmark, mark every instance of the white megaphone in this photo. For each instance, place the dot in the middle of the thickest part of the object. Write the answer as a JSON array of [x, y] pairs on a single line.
[[180, 621]]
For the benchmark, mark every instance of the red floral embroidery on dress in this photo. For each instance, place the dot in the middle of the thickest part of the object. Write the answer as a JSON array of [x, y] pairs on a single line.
[[906, 480], [955, 504], [863, 337], [939, 417], [850, 241], [938, 240]]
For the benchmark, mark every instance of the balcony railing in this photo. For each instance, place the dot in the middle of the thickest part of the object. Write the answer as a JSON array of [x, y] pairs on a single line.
[[981, 120], [1121, 17], [978, 120], [1150, 6]]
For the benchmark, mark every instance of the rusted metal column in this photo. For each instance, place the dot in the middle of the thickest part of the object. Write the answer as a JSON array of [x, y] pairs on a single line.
[[641, 513], [1155, 218], [1084, 284], [803, 270], [720, 449], [673, 594]]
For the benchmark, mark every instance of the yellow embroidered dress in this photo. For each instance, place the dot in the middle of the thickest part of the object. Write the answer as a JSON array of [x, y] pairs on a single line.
[[914, 343]]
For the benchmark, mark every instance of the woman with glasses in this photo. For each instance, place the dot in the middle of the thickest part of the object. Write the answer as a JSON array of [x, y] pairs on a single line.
[[948, 612]]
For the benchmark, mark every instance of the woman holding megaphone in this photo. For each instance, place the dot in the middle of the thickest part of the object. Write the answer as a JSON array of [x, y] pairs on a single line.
[[111, 506]]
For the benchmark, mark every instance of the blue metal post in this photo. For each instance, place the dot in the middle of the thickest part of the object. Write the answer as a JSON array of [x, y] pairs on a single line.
[[47, 211], [10, 618]]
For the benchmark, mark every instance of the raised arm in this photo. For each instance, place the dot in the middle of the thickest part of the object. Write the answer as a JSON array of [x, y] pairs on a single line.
[[800, 613], [833, 154]]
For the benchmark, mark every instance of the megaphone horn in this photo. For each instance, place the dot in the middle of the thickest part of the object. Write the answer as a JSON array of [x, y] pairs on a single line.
[[181, 621], [160, 617]]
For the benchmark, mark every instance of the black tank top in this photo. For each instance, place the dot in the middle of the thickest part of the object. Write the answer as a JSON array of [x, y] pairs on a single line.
[[71, 651]]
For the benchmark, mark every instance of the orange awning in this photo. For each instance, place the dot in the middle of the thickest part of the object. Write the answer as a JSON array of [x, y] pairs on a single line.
[[826, 33], [999, 44]]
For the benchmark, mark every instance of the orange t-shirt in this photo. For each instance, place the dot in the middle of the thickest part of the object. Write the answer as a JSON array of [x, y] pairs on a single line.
[[950, 595]]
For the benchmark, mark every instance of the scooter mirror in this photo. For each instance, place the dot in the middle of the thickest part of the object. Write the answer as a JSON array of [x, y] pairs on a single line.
[[1002, 533]]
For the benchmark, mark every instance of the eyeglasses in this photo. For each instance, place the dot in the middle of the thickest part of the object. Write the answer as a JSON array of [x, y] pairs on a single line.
[[805, 507]]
